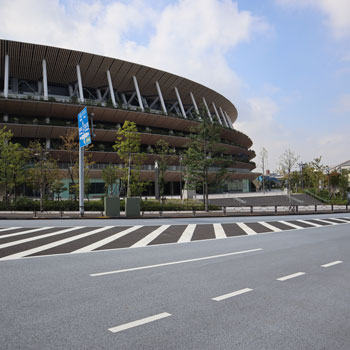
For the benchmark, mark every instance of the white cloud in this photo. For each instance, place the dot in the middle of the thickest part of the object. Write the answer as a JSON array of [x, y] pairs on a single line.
[[337, 13], [342, 104]]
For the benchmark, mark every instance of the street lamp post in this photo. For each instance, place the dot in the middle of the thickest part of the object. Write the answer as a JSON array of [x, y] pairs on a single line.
[[180, 178]]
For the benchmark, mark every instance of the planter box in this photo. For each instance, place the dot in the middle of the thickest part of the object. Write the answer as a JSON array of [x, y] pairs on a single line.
[[132, 207], [112, 206]]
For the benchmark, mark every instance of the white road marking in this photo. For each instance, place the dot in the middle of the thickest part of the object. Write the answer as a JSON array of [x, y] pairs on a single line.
[[106, 240], [150, 237], [219, 231], [25, 232], [273, 228], [187, 234], [174, 262], [54, 244], [233, 294], [291, 225], [25, 240], [341, 220], [137, 323], [8, 228], [285, 278], [246, 228], [309, 223], [327, 222], [332, 263]]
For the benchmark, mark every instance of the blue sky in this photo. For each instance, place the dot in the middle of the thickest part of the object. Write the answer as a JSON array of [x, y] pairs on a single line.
[[285, 64]]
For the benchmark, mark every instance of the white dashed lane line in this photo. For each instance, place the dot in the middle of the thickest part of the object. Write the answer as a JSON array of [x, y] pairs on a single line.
[[288, 277], [332, 263], [140, 322], [233, 294]]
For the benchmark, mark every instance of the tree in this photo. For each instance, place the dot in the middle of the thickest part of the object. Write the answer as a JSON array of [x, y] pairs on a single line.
[[128, 148], [165, 155], [13, 163], [70, 145], [57, 188], [263, 160], [317, 176], [288, 160], [344, 182], [202, 153], [110, 176], [44, 171]]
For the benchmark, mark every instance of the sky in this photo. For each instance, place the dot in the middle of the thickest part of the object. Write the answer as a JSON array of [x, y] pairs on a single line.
[[284, 64]]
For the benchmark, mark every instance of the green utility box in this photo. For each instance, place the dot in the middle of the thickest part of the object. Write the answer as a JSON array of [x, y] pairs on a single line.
[[112, 206], [132, 207]]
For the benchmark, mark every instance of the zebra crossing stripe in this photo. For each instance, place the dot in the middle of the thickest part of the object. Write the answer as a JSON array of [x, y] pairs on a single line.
[[150, 237], [309, 223], [25, 240], [326, 222], [246, 228], [219, 231], [106, 240], [8, 228], [54, 244], [267, 225], [25, 232], [342, 220], [290, 224], [187, 234]]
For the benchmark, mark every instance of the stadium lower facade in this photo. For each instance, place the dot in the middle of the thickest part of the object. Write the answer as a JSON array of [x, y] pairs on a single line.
[[43, 88]]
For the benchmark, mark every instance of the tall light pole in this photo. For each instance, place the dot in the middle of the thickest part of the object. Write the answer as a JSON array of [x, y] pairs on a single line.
[[156, 180], [180, 178]]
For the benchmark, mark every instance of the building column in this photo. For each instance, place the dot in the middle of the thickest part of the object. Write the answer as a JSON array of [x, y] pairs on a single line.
[[46, 91], [223, 116], [194, 103], [161, 98], [80, 85], [207, 108], [180, 102], [229, 122], [111, 90], [138, 93], [216, 113], [6, 76]]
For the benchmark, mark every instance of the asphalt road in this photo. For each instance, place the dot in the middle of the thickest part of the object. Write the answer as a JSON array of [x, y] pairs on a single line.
[[157, 221], [217, 294]]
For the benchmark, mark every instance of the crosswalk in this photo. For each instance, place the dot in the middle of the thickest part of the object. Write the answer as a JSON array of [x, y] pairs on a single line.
[[20, 242]]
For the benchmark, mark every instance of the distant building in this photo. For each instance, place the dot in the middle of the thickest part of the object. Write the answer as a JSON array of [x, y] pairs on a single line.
[[43, 88]]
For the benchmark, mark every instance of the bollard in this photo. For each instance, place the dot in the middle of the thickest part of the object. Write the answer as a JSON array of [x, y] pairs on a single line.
[[316, 208], [35, 214], [194, 211], [296, 208], [160, 212], [346, 207], [61, 213], [332, 208], [251, 209], [275, 209], [224, 211]]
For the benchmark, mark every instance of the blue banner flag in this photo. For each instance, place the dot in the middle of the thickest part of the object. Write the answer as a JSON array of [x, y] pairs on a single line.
[[84, 129]]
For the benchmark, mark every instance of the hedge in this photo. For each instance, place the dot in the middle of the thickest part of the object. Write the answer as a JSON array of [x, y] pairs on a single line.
[[25, 204]]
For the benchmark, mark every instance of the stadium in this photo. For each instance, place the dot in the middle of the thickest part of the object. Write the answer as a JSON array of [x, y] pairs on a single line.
[[43, 88]]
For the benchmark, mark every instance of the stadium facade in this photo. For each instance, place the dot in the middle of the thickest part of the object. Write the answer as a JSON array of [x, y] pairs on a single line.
[[43, 88]]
